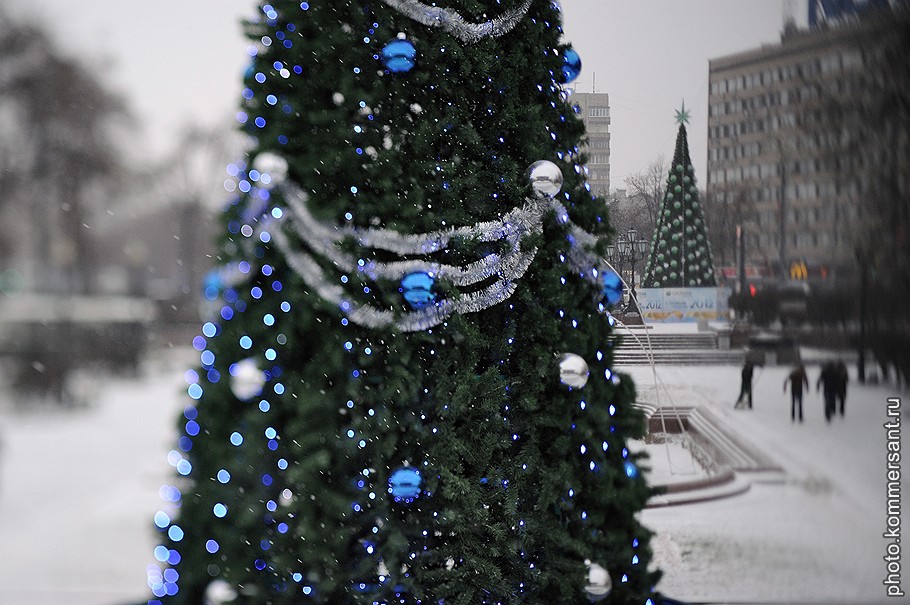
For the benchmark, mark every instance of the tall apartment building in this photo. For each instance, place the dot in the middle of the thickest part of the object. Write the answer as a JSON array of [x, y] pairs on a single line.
[[774, 177], [594, 110]]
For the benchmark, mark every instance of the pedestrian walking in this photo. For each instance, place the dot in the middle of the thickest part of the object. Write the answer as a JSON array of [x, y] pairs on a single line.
[[827, 381], [797, 379], [842, 379], [745, 388]]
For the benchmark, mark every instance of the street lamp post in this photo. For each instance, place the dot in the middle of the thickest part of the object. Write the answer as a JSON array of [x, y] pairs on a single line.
[[628, 249]]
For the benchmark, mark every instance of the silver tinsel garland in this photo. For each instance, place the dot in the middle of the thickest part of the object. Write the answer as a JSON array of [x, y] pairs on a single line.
[[325, 240], [455, 24]]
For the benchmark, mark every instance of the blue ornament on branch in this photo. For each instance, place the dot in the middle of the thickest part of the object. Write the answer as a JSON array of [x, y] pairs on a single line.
[[418, 289], [399, 56], [571, 66], [631, 469], [612, 287], [405, 484]]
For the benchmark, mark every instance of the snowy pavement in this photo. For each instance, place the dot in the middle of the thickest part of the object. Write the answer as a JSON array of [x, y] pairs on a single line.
[[814, 536], [78, 490]]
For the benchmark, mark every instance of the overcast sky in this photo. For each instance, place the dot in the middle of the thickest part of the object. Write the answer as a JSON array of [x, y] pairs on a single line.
[[178, 61]]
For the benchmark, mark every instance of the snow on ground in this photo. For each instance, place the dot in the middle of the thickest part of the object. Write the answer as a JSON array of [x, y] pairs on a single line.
[[78, 490], [816, 536]]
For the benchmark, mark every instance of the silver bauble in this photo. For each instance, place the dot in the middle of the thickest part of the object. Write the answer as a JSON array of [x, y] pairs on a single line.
[[246, 379], [545, 177], [599, 582], [573, 370], [271, 164], [219, 592]]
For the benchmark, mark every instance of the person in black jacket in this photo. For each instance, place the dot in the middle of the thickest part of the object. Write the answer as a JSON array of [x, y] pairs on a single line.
[[745, 389], [828, 379], [842, 380], [797, 380]]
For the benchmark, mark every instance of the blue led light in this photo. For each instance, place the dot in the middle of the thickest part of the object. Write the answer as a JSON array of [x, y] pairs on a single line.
[[175, 533], [219, 510], [223, 476], [246, 342], [212, 546], [192, 428], [236, 438], [162, 520], [271, 433], [209, 329]]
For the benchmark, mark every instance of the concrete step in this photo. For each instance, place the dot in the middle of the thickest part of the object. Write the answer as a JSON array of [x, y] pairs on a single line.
[[678, 357], [668, 341]]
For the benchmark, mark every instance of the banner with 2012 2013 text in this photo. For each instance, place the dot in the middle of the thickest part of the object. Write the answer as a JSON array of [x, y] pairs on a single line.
[[673, 305]]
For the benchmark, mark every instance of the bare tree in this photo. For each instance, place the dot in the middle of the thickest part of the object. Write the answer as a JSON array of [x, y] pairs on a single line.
[[62, 148], [647, 188]]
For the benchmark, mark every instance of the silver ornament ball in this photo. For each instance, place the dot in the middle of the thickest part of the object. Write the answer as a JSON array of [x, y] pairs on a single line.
[[545, 177], [247, 379], [573, 370]]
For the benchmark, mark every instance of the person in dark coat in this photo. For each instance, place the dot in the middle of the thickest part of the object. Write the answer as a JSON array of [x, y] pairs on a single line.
[[827, 381], [797, 379], [842, 379], [745, 389]]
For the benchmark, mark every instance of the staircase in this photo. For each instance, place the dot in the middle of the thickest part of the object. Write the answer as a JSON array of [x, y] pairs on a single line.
[[696, 348]]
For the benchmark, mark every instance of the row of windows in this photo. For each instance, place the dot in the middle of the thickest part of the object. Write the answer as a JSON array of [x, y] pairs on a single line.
[[796, 242], [598, 142], [831, 63], [598, 112], [752, 126], [599, 158], [824, 192]]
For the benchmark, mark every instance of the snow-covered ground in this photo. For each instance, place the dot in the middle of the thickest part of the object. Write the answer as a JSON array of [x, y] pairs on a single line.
[[78, 490], [815, 536]]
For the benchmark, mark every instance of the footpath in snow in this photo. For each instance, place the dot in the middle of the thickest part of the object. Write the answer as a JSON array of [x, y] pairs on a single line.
[[812, 535]]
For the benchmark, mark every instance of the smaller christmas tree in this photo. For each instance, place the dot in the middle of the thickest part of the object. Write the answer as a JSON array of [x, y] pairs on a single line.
[[680, 252]]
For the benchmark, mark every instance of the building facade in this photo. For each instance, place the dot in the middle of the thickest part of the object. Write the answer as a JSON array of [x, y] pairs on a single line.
[[594, 110], [768, 165]]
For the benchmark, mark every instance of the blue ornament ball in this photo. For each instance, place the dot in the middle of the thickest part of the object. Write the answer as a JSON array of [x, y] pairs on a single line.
[[405, 484], [571, 65], [612, 287], [399, 56], [418, 289]]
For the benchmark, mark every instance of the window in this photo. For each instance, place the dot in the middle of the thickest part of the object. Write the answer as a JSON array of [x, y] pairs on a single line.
[[598, 112]]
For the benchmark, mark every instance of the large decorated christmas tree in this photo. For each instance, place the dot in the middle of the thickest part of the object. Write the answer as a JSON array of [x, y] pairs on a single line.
[[404, 393], [680, 251]]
